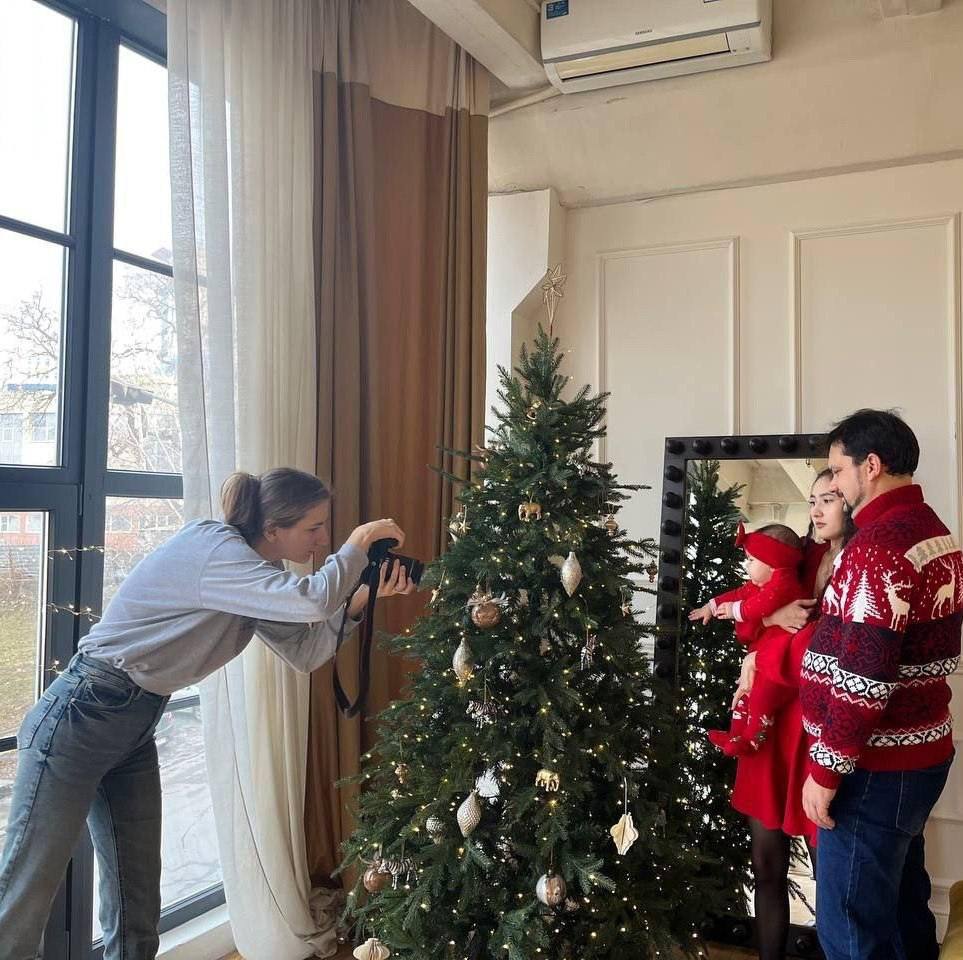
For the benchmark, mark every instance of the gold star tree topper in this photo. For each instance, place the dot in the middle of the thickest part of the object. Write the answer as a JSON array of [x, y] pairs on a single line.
[[552, 292]]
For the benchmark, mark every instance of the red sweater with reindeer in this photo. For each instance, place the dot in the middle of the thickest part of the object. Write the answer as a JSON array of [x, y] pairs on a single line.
[[874, 685]]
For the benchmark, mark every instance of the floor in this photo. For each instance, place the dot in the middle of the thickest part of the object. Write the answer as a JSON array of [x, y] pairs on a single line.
[[717, 953]]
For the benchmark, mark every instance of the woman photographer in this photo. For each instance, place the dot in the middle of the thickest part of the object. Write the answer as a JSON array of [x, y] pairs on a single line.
[[86, 748]]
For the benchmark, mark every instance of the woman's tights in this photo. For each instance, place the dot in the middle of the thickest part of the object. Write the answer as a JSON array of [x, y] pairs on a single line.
[[770, 871]]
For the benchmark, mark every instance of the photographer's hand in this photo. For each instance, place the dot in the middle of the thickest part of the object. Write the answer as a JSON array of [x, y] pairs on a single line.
[[364, 536], [395, 581], [391, 583]]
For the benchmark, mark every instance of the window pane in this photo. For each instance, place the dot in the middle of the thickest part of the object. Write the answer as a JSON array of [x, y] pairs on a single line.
[[23, 551], [31, 336], [142, 198], [188, 838], [135, 526], [8, 771], [36, 93], [144, 432]]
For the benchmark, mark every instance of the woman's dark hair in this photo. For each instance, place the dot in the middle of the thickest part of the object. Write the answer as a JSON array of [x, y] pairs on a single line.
[[849, 528], [277, 498], [882, 432]]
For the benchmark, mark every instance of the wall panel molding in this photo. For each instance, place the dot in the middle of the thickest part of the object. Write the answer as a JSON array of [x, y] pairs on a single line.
[[729, 244]]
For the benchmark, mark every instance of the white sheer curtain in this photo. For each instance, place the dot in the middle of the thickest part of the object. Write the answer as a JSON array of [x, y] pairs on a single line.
[[241, 168]]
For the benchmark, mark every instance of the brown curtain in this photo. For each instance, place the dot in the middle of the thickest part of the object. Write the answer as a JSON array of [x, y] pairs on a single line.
[[400, 236]]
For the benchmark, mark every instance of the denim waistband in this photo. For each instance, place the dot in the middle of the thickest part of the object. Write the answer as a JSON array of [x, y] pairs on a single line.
[[86, 664]]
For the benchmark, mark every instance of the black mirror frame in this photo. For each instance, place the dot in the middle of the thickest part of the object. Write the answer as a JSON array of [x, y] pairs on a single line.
[[802, 941]]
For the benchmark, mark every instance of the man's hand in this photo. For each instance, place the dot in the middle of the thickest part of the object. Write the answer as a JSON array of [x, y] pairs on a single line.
[[746, 678], [701, 613], [816, 801], [792, 617]]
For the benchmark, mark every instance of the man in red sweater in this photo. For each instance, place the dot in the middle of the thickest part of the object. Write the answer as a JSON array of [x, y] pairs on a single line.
[[875, 698]]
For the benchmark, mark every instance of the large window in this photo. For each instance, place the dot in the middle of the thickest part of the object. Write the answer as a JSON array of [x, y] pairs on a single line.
[[90, 455]]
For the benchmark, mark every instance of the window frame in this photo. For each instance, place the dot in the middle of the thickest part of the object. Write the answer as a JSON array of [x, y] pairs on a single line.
[[76, 490]]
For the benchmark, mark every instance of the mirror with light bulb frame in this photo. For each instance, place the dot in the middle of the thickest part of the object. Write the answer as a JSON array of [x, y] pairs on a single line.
[[773, 474]]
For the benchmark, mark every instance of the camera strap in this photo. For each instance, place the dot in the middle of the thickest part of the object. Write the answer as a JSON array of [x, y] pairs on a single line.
[[364, 673]]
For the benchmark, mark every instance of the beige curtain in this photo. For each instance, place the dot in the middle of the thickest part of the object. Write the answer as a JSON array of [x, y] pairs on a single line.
[[400, 232]]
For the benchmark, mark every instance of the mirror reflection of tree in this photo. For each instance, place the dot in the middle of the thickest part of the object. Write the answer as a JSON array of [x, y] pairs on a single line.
[[709, 664], [718, 496]]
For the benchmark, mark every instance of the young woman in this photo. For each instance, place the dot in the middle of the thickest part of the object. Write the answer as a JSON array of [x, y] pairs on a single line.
[[86, 749], [768, 786]]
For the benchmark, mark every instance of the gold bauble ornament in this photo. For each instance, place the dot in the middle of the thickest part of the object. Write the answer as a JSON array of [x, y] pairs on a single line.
[[463, 662], [611, 525], [486, 609], [652, 570], [550, 889], [401, 772], [571, 573], [548, 780], [624, 834], [529, 510], [486, 615], [435, 828], [376, 878], [372, 949], [469, 813]]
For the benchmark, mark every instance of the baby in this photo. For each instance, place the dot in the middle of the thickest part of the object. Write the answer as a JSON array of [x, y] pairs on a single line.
[[773, 556]]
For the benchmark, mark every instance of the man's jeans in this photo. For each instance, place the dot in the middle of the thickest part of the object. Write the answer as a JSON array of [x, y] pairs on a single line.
[[86, 752], [872, 889]]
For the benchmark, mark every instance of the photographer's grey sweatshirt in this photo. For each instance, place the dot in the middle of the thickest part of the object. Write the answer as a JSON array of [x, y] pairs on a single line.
[[196, 601]]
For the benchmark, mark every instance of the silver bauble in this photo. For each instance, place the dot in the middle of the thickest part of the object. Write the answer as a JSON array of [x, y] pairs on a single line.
[[469, 813], [463, 661], [550, 889], [372, 949], [571, 573], [435, 828]]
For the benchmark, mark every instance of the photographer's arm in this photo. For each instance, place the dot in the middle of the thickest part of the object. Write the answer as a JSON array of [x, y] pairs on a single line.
[[236, 580], [308, 646]]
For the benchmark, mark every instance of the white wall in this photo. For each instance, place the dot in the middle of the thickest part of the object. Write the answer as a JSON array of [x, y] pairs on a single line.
[[526, 235], [845, 88], [772, 309]]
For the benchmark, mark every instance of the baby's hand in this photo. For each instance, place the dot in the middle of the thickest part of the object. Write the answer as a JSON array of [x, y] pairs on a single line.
[[724, 611], [702, 613]]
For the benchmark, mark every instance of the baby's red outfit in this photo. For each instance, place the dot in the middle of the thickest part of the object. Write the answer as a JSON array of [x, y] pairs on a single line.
[[755, 713]]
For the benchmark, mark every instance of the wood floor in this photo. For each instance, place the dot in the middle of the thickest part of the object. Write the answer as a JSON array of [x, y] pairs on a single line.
[[718, 953]]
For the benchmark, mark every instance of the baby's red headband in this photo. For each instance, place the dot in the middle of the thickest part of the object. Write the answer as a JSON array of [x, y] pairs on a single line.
[[768, 549]]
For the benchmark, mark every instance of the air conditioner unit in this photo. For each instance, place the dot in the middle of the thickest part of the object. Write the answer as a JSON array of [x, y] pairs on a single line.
[[587, 44]]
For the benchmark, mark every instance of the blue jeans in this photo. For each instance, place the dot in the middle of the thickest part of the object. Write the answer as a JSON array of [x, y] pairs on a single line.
[[872, 889], [86, 752]]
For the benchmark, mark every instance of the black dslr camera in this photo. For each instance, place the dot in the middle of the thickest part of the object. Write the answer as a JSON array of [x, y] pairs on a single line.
[[380, 552]]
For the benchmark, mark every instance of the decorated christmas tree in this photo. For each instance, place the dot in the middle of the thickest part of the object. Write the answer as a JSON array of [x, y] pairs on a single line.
[[709, 663], [526, 800]]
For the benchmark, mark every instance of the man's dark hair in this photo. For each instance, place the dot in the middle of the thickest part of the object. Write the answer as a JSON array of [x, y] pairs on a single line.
[[882, 432]]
